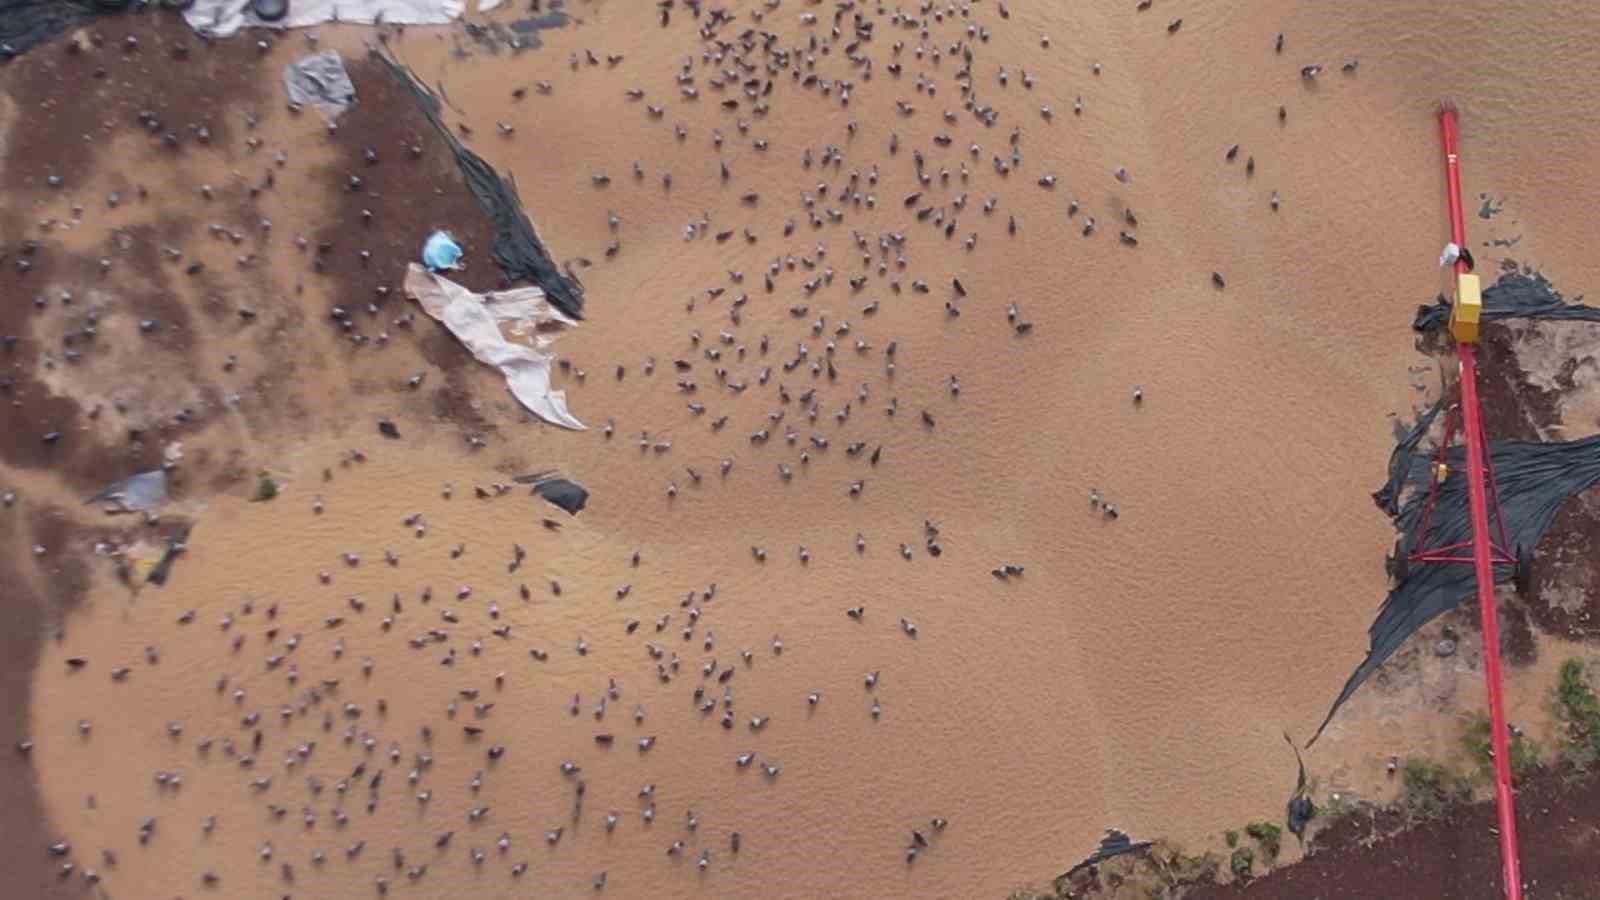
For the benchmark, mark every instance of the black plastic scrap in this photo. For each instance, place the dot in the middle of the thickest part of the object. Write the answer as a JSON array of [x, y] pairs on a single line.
[[1300, 810], [175, 547], [25, 24], [569, 495], [1534, 479], [1517, 295], [1115, 843], [517, 249]]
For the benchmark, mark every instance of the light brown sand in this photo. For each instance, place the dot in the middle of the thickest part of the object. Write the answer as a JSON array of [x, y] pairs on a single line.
[[1139, 675]]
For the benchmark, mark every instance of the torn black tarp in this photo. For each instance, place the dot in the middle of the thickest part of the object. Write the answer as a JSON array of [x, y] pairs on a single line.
[[25, 24], [1517, 295], [517, 249], [1115, 843], [1533, 480], [569, 495], [1388, 496]]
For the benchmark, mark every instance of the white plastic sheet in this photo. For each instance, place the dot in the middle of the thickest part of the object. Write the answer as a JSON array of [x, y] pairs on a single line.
[[223, 18], [320, 80], [138, 493], [476, 321]]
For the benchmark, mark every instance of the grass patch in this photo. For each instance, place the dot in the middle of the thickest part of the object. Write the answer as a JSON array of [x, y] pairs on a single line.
[[1231, 838], [1525, 754], [1242, 862], [266, 488], [1579, 706], [1428, 789], [1269, 836]]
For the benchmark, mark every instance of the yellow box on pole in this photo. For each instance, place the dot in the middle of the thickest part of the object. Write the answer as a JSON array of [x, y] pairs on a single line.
[[1468, 309]]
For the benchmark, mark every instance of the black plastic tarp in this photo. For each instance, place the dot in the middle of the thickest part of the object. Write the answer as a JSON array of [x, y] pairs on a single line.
[[517, 249], [1516, 295], [25, 24], [1533, 479]]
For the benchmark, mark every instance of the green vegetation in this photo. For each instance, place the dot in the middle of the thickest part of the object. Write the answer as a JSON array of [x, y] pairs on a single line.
[[1231, 838], [1241, 862], [266, 488], [1525, 754], [1269, 836], [1428, 789], [1580, 707]]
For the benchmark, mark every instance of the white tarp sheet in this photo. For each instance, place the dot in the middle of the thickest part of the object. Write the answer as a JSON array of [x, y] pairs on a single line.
[[223, 18], [138, 493], [320, 80], [476, 320]]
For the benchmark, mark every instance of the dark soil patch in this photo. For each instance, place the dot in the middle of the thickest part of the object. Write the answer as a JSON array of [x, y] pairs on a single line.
[[1455, 857], [1566, 565], [65, 574], [451, 401], [1512, 407], [138, 247], [1516, 634], [1566, 562], [192, 93], [1518, 645], [408, 196], [185, 96]]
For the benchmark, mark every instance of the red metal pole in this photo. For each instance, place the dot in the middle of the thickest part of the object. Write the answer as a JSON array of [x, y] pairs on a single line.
[[1477, 456]]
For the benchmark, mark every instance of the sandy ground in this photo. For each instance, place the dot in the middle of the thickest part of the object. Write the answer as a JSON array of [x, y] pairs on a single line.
[[1141, 672]]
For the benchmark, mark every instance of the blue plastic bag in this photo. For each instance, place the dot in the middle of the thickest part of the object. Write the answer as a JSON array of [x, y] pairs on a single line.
[[440, 252]]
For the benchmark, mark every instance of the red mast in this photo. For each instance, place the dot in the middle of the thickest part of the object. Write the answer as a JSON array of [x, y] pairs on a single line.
[[1480, 490]]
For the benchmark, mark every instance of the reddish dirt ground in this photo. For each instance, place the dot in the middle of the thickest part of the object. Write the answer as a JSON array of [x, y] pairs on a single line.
[[1454, 858]]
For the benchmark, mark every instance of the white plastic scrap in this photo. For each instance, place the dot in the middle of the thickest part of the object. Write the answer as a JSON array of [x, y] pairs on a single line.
[[476, 320], [320, 80], [1449, 255], [138, 493]]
